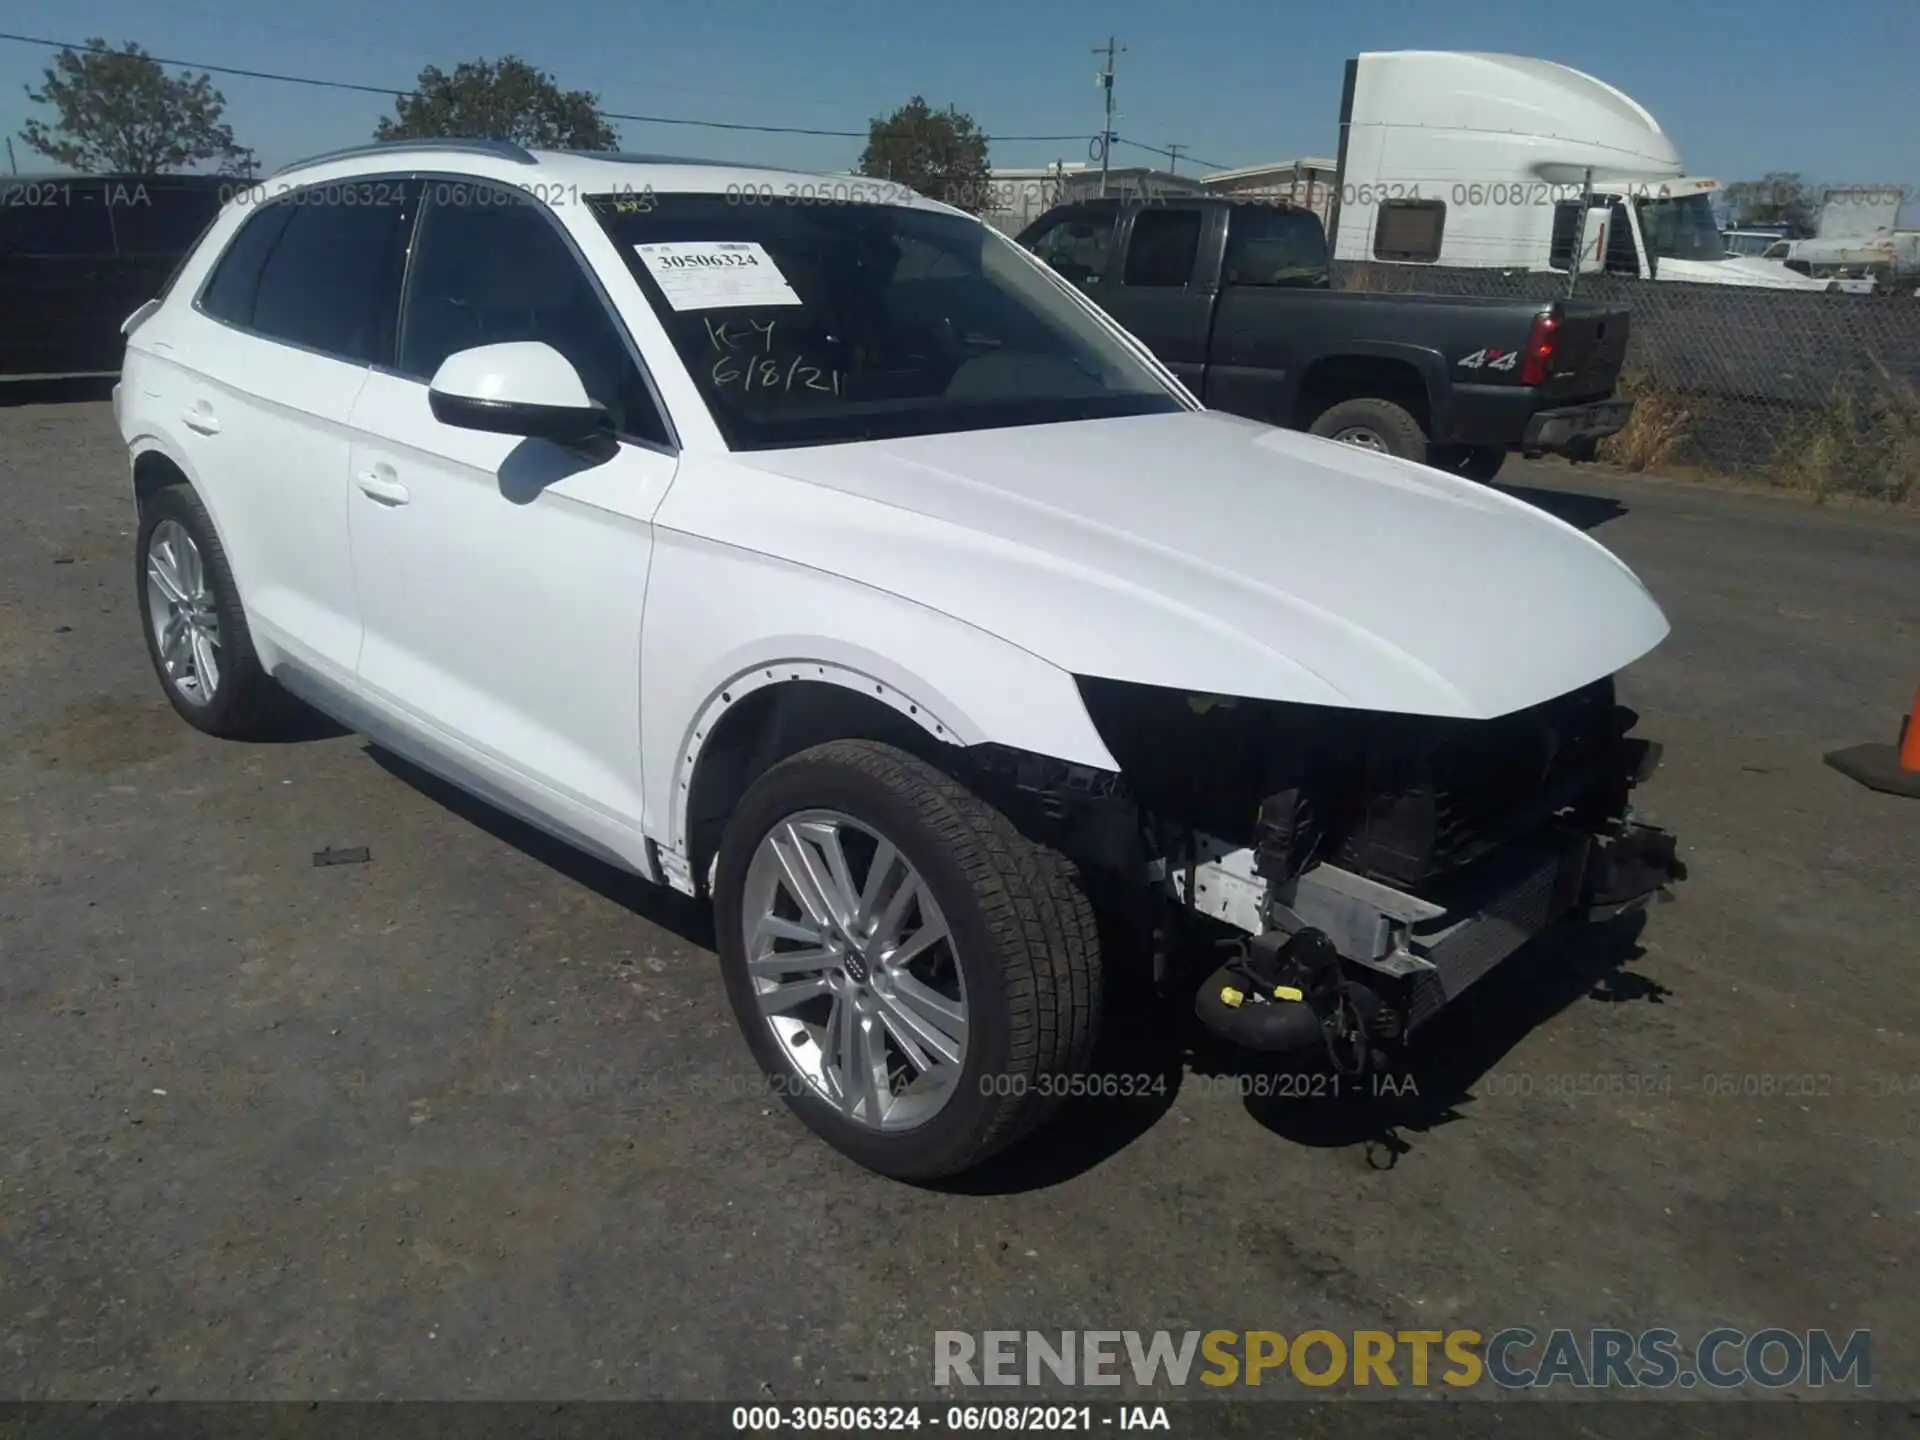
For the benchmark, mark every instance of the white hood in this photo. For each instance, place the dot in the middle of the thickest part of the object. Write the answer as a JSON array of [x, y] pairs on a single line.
[[1739, 270], [1205, 552]]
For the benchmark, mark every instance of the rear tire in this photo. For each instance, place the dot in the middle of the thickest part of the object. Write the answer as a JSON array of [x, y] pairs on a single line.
[[1016, 970], [197, 635], [1470, 462], [1373, 424]]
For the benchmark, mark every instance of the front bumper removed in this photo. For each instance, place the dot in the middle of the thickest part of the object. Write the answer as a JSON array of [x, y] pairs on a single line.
[[1333, 954]]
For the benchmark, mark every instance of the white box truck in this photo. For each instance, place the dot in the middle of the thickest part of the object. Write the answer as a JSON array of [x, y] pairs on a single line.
[[1488, 161]]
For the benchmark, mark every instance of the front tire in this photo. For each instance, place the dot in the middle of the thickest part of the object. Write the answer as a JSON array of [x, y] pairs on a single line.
[[917, 979], [1373, 424], [197, 635]]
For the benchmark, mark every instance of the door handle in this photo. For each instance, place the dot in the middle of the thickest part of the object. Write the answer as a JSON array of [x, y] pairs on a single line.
[[378, 484], [200, 418]]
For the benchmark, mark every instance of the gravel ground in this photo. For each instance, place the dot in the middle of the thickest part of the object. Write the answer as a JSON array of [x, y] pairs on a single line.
[[472, 1120]]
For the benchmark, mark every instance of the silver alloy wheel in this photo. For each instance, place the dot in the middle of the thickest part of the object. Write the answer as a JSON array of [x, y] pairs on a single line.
[[1365, 436], [180, 607], [854, 969]]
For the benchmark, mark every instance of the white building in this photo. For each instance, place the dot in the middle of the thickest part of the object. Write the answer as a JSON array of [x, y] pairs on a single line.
[[1017, 197], [1309, 182]]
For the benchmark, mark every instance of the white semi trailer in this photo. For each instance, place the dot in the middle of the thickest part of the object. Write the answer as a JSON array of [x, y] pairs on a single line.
[[1460, 158]]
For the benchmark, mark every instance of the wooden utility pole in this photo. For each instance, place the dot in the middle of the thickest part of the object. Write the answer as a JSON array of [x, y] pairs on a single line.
[[1105, 79]]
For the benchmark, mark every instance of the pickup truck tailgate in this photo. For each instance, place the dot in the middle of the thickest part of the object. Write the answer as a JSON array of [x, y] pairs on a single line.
[[1588, 351]]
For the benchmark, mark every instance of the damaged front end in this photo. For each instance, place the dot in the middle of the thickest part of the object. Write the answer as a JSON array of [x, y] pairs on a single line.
[[1378, 864]]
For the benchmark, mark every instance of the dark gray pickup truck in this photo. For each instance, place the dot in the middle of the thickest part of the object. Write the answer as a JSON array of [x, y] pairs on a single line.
[[1234, 297]]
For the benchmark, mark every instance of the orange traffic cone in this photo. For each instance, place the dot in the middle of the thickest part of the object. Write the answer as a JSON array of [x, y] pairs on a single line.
[[1893, 768]]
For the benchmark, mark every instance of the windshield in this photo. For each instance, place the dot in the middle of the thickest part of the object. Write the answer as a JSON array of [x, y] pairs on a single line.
[[1681, 228], [816, 323]]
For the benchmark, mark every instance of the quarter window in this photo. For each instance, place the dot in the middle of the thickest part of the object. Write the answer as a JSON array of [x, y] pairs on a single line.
[[235, 280]]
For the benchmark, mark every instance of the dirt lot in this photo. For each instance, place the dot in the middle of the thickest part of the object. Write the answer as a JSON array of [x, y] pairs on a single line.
[[472, 1120]]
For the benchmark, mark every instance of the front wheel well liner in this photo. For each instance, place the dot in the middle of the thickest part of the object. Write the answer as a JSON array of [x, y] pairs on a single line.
[[755, 731]]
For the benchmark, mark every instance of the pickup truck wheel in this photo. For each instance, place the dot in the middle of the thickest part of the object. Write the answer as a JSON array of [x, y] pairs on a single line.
[[1470, 462], [914, 976], [1373, 425]]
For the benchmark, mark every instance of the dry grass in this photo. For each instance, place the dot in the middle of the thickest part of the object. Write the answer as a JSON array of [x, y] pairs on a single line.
[[1654, 432], [1866, 446]]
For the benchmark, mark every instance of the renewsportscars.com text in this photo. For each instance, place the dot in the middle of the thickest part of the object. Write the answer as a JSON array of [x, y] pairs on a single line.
[[1514, 1358]]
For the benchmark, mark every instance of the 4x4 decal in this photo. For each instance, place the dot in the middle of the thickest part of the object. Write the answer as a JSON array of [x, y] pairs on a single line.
[[1491, 359]]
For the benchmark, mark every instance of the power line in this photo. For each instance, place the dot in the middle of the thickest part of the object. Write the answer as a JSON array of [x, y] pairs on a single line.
[[406, 94], [1139, 145]]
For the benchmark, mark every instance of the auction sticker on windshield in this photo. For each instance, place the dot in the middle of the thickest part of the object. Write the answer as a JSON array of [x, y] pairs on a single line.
[[715, 274]]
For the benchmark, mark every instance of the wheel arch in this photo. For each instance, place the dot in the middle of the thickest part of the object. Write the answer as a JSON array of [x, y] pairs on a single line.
[[763, 715], [764, 712], [1409, 377], [157, 464]]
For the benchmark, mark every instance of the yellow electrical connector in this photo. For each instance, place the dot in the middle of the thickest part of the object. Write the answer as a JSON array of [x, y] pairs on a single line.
[[1230, 996], [1288, 992]]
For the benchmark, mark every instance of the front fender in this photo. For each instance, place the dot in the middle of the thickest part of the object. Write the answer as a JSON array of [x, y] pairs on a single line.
[[705, 645]]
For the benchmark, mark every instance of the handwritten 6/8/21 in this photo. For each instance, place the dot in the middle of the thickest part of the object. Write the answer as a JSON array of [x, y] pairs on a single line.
[[746, 361]]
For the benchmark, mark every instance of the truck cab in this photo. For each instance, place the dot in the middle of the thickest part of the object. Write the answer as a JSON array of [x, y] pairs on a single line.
[[1486, 161], [1664, 232], [1235, 297]]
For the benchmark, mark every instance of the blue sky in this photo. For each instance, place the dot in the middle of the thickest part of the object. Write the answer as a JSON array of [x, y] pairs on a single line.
[[1743, 87]]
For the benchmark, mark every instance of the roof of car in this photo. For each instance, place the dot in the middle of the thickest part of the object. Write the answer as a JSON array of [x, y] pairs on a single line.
[[583, 172]]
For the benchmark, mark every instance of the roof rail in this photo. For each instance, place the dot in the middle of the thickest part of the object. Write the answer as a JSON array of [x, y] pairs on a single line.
[[499, 149], [631, 157]]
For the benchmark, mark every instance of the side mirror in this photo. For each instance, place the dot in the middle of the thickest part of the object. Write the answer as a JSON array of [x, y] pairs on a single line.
[[523, 388]]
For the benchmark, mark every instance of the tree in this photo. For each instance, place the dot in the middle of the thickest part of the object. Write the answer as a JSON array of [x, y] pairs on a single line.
[[119, 111], [1776, 198], [940, 153], [505, 99]]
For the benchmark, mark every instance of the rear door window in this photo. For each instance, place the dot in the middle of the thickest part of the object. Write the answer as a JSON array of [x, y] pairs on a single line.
[[1162, 249], [327, 279], [1076, 246]]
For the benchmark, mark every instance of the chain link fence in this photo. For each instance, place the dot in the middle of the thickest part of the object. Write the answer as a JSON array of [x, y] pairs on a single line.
[[1814, 390]]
